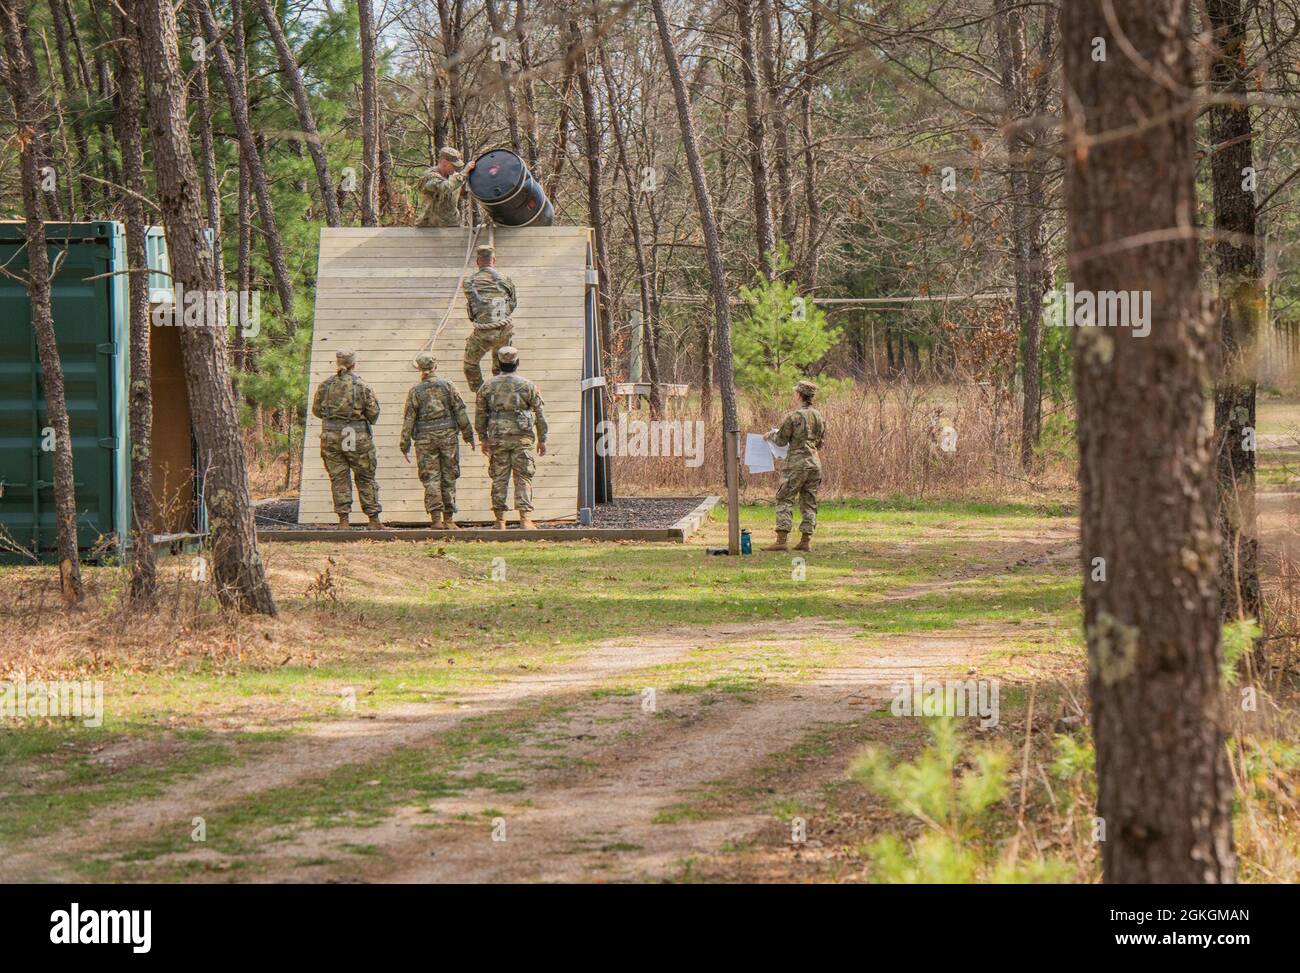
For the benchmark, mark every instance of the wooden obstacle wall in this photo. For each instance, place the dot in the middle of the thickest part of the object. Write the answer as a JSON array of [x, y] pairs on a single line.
[[382, 291]]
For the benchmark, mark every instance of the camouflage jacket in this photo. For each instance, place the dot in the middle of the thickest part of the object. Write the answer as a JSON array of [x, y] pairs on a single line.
[[509, 411], [345, 396], [441, 196], [489, 297], [803, 430], [434, 406]]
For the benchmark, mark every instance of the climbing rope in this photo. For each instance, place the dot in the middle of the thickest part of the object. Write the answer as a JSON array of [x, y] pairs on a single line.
[[451, 301]]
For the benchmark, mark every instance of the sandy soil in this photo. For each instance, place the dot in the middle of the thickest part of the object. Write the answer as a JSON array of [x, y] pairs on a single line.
[[598, 783]]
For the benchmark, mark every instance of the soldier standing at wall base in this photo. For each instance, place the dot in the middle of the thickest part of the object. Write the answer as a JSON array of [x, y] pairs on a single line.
[[803, 430], [509, 418], [490, 300], [348, 411], [440, 188], [435, 412]]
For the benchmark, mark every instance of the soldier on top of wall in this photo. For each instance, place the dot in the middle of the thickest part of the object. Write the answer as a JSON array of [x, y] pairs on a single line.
[[348, 410], [509, 418], [490, 300], [435, 412], [440, 188], [803, 430]]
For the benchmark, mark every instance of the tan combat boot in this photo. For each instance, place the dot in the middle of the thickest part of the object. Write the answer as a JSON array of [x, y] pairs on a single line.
[[805, 543], [435, 519], [448, 523], [501, 519], [526, 522], [780, 543], [374, 523], [343, 521]]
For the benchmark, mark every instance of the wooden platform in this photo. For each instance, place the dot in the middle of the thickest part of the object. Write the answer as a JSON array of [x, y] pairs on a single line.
[[382, 292], [678, 533]]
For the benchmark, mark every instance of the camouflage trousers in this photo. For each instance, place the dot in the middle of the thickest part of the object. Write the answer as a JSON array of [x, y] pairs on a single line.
[[800, 485], [343, 465], [437, 457], [478, 344], [512, 459]]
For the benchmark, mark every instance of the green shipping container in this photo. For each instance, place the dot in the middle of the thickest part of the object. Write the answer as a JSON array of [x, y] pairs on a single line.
[[90, 305]]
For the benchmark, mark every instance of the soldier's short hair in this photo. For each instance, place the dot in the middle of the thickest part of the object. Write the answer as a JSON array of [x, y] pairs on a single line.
[[485, 251], [345, 358], [807, 389], [509, 355], [425, 362], [451, 155]]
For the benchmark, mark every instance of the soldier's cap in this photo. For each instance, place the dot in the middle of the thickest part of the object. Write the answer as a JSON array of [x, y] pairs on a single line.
[[806, 388], [451, 155], [485, 250], [425, 362], [509, 354], [345, 357]]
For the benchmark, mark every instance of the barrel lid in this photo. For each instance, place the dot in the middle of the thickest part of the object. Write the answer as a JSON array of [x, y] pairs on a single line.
[[497, 175]]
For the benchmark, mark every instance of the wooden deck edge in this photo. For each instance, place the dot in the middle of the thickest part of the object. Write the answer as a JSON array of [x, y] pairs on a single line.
[[694, 520], [335, 534]]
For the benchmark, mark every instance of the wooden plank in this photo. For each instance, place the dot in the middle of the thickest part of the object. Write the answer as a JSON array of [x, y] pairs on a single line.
[[542, 533], [381, 293]]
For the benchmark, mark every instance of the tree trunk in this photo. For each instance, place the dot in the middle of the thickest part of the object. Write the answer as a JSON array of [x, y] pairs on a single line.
[[207, 152], [776, 108], [1241, 312], [507, 77], [649, 351], [764, 236], [30, 115], [306, 118], [238, 572], [70, 86], [530, 101], [595, 200], [144, 580], [1164, 787], [812, 248], [717, 275], [369, 116], [1024, 97], [238, 98], [560, 149]]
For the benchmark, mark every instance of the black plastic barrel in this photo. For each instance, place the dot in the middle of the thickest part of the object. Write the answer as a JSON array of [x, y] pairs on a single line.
[[502, 183]]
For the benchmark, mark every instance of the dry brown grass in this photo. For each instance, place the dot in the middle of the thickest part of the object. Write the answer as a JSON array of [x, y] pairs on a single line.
[[881, 441]]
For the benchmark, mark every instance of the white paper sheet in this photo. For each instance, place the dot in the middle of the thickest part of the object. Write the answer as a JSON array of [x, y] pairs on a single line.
[[759, 453]]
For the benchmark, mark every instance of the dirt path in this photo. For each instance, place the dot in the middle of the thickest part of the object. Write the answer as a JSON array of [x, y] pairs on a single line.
[[597, 788]]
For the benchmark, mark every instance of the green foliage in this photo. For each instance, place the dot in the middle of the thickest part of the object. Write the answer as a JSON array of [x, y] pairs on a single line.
[[279, 384], [1057, 439], [780, 335], [1072, 760], [954, 791], [1056, 363], [1238, 638]]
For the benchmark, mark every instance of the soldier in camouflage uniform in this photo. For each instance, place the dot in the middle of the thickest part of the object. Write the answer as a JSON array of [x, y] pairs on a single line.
[[440, 188], [348, 410], [509, 418], [490, 300], [802, 429], [434, 414]]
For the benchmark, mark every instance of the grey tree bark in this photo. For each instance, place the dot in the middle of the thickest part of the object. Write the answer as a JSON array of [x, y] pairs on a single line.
[[237, 95], [30, 111], [306, 117], [717, 274], [144, 581], [238, 574], [1242, 311], [1150, 547]]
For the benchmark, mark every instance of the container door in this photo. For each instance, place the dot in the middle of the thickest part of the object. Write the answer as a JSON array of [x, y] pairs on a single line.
[[83, 330]]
